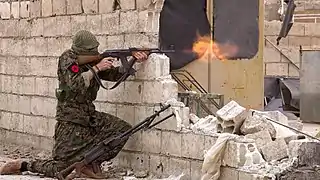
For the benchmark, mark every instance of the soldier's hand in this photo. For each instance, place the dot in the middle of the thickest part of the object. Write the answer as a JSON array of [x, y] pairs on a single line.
[[140, 56], [105, 64]]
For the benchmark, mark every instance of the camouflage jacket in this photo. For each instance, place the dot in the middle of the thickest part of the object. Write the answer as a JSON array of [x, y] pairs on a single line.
[[75, 96]]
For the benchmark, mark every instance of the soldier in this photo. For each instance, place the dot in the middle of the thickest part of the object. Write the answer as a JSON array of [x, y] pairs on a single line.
[[79, 126]]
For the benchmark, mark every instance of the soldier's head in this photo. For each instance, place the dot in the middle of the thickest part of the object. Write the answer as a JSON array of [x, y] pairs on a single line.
[[85, 43]]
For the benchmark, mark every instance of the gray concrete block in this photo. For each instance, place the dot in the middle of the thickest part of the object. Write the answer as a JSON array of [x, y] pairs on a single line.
[[306, 152], [116, 41], [261, 138], [24, 104], [173, 166], [127, 4], [192, 146], [128, 22], [196, 167], [156, 166], [139, 162], [12, 101], [59, 7], [37, 27], [74, 7], [35, 8], [46, 8], [24, 28], [143, 4], [90, 6], [134, 142], [64, 25], [138, 40], [24, 9], [227, 173], [4, 10], [151, 141], [231, 117], [126, 112], [78, 23], [275, 150], [43, 106], [165, 90], [42, 86], [15, 6], [255, 123], [94, 24], [209, 141], [105, 6], [40, 46], [171, 143], [5, 120], [110, 23], [50, 26]]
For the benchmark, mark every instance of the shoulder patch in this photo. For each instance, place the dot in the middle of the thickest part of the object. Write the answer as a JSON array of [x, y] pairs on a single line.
[[74, 68]]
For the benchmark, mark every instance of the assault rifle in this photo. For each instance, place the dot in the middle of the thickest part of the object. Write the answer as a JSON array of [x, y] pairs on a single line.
[[108, 145], [122, 54]]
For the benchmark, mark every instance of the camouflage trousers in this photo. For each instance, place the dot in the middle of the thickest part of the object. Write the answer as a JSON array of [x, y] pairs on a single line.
[[73, 141]]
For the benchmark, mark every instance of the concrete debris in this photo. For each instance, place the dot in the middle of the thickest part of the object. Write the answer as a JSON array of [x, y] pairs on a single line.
[[296, 124], [230, 118], [261, 138], [306, 152], [255, 123], [207, 125], [275, 150], [141, 174]]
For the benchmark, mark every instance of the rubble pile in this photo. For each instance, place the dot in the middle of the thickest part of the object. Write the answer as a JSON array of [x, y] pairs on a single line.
[[261, 146]]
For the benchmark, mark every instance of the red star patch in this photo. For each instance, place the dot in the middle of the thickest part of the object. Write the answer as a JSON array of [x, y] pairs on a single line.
[[74, 68]]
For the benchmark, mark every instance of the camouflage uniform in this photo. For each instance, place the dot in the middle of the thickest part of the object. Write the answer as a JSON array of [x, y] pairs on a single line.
[[79, 126]]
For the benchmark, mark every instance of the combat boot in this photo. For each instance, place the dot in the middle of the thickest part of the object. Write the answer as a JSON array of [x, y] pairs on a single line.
[[12, 167]]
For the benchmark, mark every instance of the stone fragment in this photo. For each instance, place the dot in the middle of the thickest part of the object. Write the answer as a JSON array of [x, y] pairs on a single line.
[[239, 153], [261, 138], [306, 151], [275, 150], [255, 123], [230, 117]]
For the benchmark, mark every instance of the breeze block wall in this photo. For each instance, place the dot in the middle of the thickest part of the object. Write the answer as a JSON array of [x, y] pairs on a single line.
[[32, 36]]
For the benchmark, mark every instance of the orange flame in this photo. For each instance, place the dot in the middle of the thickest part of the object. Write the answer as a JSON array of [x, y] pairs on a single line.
[[205, 45]]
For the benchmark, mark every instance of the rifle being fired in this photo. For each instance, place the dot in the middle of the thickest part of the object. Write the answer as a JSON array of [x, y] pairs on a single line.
[[122, 54]]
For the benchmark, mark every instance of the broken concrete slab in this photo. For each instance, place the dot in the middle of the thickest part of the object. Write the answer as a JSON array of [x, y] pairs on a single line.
[[255, 123], [307, 152], [230, 117], [261, 138], [275, 150]]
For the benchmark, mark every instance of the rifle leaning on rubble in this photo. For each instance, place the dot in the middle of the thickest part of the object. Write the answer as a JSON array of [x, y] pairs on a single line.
[[122, 54], [108, 145]]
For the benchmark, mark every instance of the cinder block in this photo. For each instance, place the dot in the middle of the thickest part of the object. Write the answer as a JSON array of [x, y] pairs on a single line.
[[35, 125], [293, 71], [142, 112], [272, 27], [46, 143], [127, 4], [256, 123], [271, 55], [42, 86], [24, 28], [115, 95], [240, 153], [312, 29], [171, 143], [110, 23], [129, 21], [151, 141], [153, 68], [50, 26], [15, 9], [64, 25], [12, 28], [90, 6], [275, 150], [74, 7], [59, 7], [4, 10], [139, 162], [40, 46], [5, 80], [227, 173], [126, 112], [148, 21], [24, 104], [105, 6], [231, 117], [58, 45], [209, 141], [134, 142], [175, 167], [37, 27], [306, 151], [12, 102], [192, 146], [46, 8], [24, 9], [196, 168], [137, 40], [3, 101], [132, 91], [51, 125], [103, 43], [115, 42], [144, 4], [156, 166], [94, 24], [298, 29], [35, 8], [78, 23], [174, 123], [296, 41], [5, 120], [277, 69], [26, 85], [261, 138], [53, 83], [43, 106], [164, 89]]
